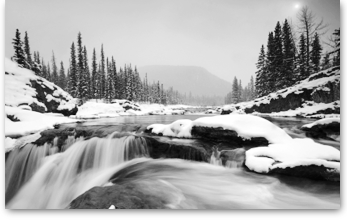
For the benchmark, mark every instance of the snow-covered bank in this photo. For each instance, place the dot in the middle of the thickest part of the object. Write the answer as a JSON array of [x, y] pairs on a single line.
[[19, 122], [282, 151], [24, 88], [316, 96], [98, 109]]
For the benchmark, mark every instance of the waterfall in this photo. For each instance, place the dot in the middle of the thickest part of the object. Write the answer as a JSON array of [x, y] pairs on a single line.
[[228, 158], [59, 177]]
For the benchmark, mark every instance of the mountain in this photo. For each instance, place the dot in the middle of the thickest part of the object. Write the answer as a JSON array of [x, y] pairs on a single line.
[[186, 79]]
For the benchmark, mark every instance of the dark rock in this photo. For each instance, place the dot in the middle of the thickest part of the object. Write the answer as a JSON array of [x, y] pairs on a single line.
[[311, 172], [52, 106], [220, 135], [322, 131], [121, 196], [164, 147]]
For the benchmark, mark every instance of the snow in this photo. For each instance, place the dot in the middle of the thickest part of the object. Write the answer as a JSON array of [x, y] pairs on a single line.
[[247, 126], [295, 152], [9, 143], [112, 207], [323, 121], [18, 89], [92, 109], [331, 75], [30, 121]]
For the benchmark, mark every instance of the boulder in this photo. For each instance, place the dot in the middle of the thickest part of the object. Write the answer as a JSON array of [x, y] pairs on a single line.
[[126, 196], [323, 131]]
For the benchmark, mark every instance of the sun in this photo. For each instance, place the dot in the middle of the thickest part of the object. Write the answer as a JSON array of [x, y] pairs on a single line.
[[297, 6]]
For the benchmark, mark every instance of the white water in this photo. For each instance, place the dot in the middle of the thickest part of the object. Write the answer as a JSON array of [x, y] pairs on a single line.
[[56, 180], [63, 176]]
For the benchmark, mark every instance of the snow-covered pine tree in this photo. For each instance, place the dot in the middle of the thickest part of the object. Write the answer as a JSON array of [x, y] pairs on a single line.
[[54, 77], [279, 78], [315, 54], [73, 72], [261, 74], [240, 91], [29, 64], [19, 55], [269, 84], [302, 58], [336, 51], [288, 56]]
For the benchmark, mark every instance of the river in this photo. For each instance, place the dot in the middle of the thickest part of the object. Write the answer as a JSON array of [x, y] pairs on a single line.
[[42, 177]]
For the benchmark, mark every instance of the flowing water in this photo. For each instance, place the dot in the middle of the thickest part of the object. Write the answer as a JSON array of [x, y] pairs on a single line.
[[42, 177]]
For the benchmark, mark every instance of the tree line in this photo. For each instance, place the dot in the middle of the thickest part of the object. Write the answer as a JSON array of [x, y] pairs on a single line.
[[240, 94], [100, 81], [288, 60]]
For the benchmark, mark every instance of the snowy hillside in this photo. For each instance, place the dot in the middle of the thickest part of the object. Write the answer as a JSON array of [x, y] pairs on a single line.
[[316, 96], [24, 89]]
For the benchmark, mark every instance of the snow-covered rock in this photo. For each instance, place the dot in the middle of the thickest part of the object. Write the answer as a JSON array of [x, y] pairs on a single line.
[[91, 110], [326, 128], [318, 94], [297, 157], [26, 90]]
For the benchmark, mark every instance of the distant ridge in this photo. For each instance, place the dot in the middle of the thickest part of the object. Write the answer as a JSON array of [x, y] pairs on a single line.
[[186, 79]]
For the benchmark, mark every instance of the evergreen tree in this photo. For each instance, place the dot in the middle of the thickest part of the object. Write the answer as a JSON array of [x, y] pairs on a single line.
[[29, 63], [86, 73], [19, 55], [44, 70], [302, 58], [261, 78], [336, 39], [73, 72], [82, 89], [288, 56], [94, 78], [235, 91], [62, 78], [54, 77], [316, 53], [269, 84], [102, 74], [49, 74], [278, 75]]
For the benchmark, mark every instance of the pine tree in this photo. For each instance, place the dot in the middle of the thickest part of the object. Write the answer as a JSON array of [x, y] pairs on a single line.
[[288, 56], [44, 69], [54, 77], [49, 74], [86, 73], [73, 72], [240, 90], [269, 85], [19, 55], [235, 91], [302, 58], [94, 78], [261, 78], [29, 63], [252, 90], [62, 78], [82, 89], [315, 55], [278, 59], [102, 74], [336, 58]]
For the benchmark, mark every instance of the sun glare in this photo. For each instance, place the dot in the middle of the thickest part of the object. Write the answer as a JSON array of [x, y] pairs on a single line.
[[297, 6]]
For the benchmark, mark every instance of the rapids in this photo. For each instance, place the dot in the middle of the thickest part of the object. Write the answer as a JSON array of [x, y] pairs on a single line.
[[44, 177]]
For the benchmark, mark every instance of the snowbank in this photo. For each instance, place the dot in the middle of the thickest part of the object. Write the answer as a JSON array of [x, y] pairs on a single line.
[[19, 122], [247, 126], [293, 153], [23, 87], [323, 121], [92, 109]]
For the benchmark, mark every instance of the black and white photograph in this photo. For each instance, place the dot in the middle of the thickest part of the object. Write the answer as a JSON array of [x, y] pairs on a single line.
[[172, 104]]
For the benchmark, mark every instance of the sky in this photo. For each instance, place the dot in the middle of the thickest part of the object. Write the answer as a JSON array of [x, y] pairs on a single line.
[[223, 36]]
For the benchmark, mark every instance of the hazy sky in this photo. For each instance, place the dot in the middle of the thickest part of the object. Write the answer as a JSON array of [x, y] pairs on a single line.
[[223, 36]]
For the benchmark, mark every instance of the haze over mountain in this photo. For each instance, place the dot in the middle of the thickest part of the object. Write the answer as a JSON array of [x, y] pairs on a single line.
[[186, 79]]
